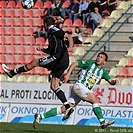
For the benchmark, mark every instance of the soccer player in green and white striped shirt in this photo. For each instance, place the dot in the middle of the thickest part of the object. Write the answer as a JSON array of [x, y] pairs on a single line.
[[92, 73]]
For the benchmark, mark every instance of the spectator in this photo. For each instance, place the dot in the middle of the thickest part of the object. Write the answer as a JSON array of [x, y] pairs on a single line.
[[112, 4], [59, 25], [82, 10], [77, 37], [102, 6], [71, 10], [92, 5], [55, 10], [94, 19]]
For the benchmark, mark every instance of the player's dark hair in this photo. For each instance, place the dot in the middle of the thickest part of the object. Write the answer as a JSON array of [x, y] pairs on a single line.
[[103, 53], [49, 21]]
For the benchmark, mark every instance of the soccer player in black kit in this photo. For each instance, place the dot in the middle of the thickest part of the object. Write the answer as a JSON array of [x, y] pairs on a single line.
[[57, 62]]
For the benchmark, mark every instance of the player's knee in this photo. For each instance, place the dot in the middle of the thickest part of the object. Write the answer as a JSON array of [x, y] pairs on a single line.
[[54, 87], [92, 98]]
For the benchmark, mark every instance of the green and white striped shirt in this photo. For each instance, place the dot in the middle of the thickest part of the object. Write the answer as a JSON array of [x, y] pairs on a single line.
[[91, 74]]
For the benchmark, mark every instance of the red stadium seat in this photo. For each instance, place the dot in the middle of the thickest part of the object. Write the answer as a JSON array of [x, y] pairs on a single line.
[[30, 41], [2, 49], [29, 32], [66, 4], [2, 22], [2, 13], [20, 41], [19, 14], [130, 74], [67, 23], [38, 14], [30, 50], [1, 70], [11, 67], [21, 50], [20, 22], [11, 50], [47, 4], [21, 60], [29, 23], [38, 5], [19, 32], [11, 4], [10, 13], [10, 41], [2, 59], [30, 58], [77, 22], [2, 40], [40, 41], [11, 59], [38, 23], [2, 30], [123, 72], [39, 71], [10, 22], [130, 63], [19, 5], [2, 4], [28, 14], [89, 30], [10, 31]]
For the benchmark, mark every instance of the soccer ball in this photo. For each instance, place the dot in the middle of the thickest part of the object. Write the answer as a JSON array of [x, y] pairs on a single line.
[[27, 4]]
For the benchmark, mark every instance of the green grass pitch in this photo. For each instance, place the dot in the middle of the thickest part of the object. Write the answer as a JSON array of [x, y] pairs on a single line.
[[48, 128]]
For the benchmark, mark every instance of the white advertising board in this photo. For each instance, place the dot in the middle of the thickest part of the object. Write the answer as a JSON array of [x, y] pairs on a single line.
[[30, 93], [24, 113], [4, 111], [115, 95], [123, 117]]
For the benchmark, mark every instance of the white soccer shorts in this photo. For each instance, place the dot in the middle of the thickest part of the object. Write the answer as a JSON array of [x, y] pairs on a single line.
[[79, 92]]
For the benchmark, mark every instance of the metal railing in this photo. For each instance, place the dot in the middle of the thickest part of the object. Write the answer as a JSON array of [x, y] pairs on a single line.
[[109, 36], [107, 42]]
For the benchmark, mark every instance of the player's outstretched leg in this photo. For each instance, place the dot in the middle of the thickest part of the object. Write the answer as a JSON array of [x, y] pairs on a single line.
[[25, 68], [12, 73], [98, 112], [50, 113]]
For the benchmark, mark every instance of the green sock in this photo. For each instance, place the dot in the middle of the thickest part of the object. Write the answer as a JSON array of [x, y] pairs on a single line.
[[50, 113], [98, 112]]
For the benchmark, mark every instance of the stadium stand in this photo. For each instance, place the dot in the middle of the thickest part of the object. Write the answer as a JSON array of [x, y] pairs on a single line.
[[17, 27]]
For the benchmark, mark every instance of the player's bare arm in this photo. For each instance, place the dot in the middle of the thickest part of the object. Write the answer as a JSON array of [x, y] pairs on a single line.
[[71, 68], [70, 40]]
